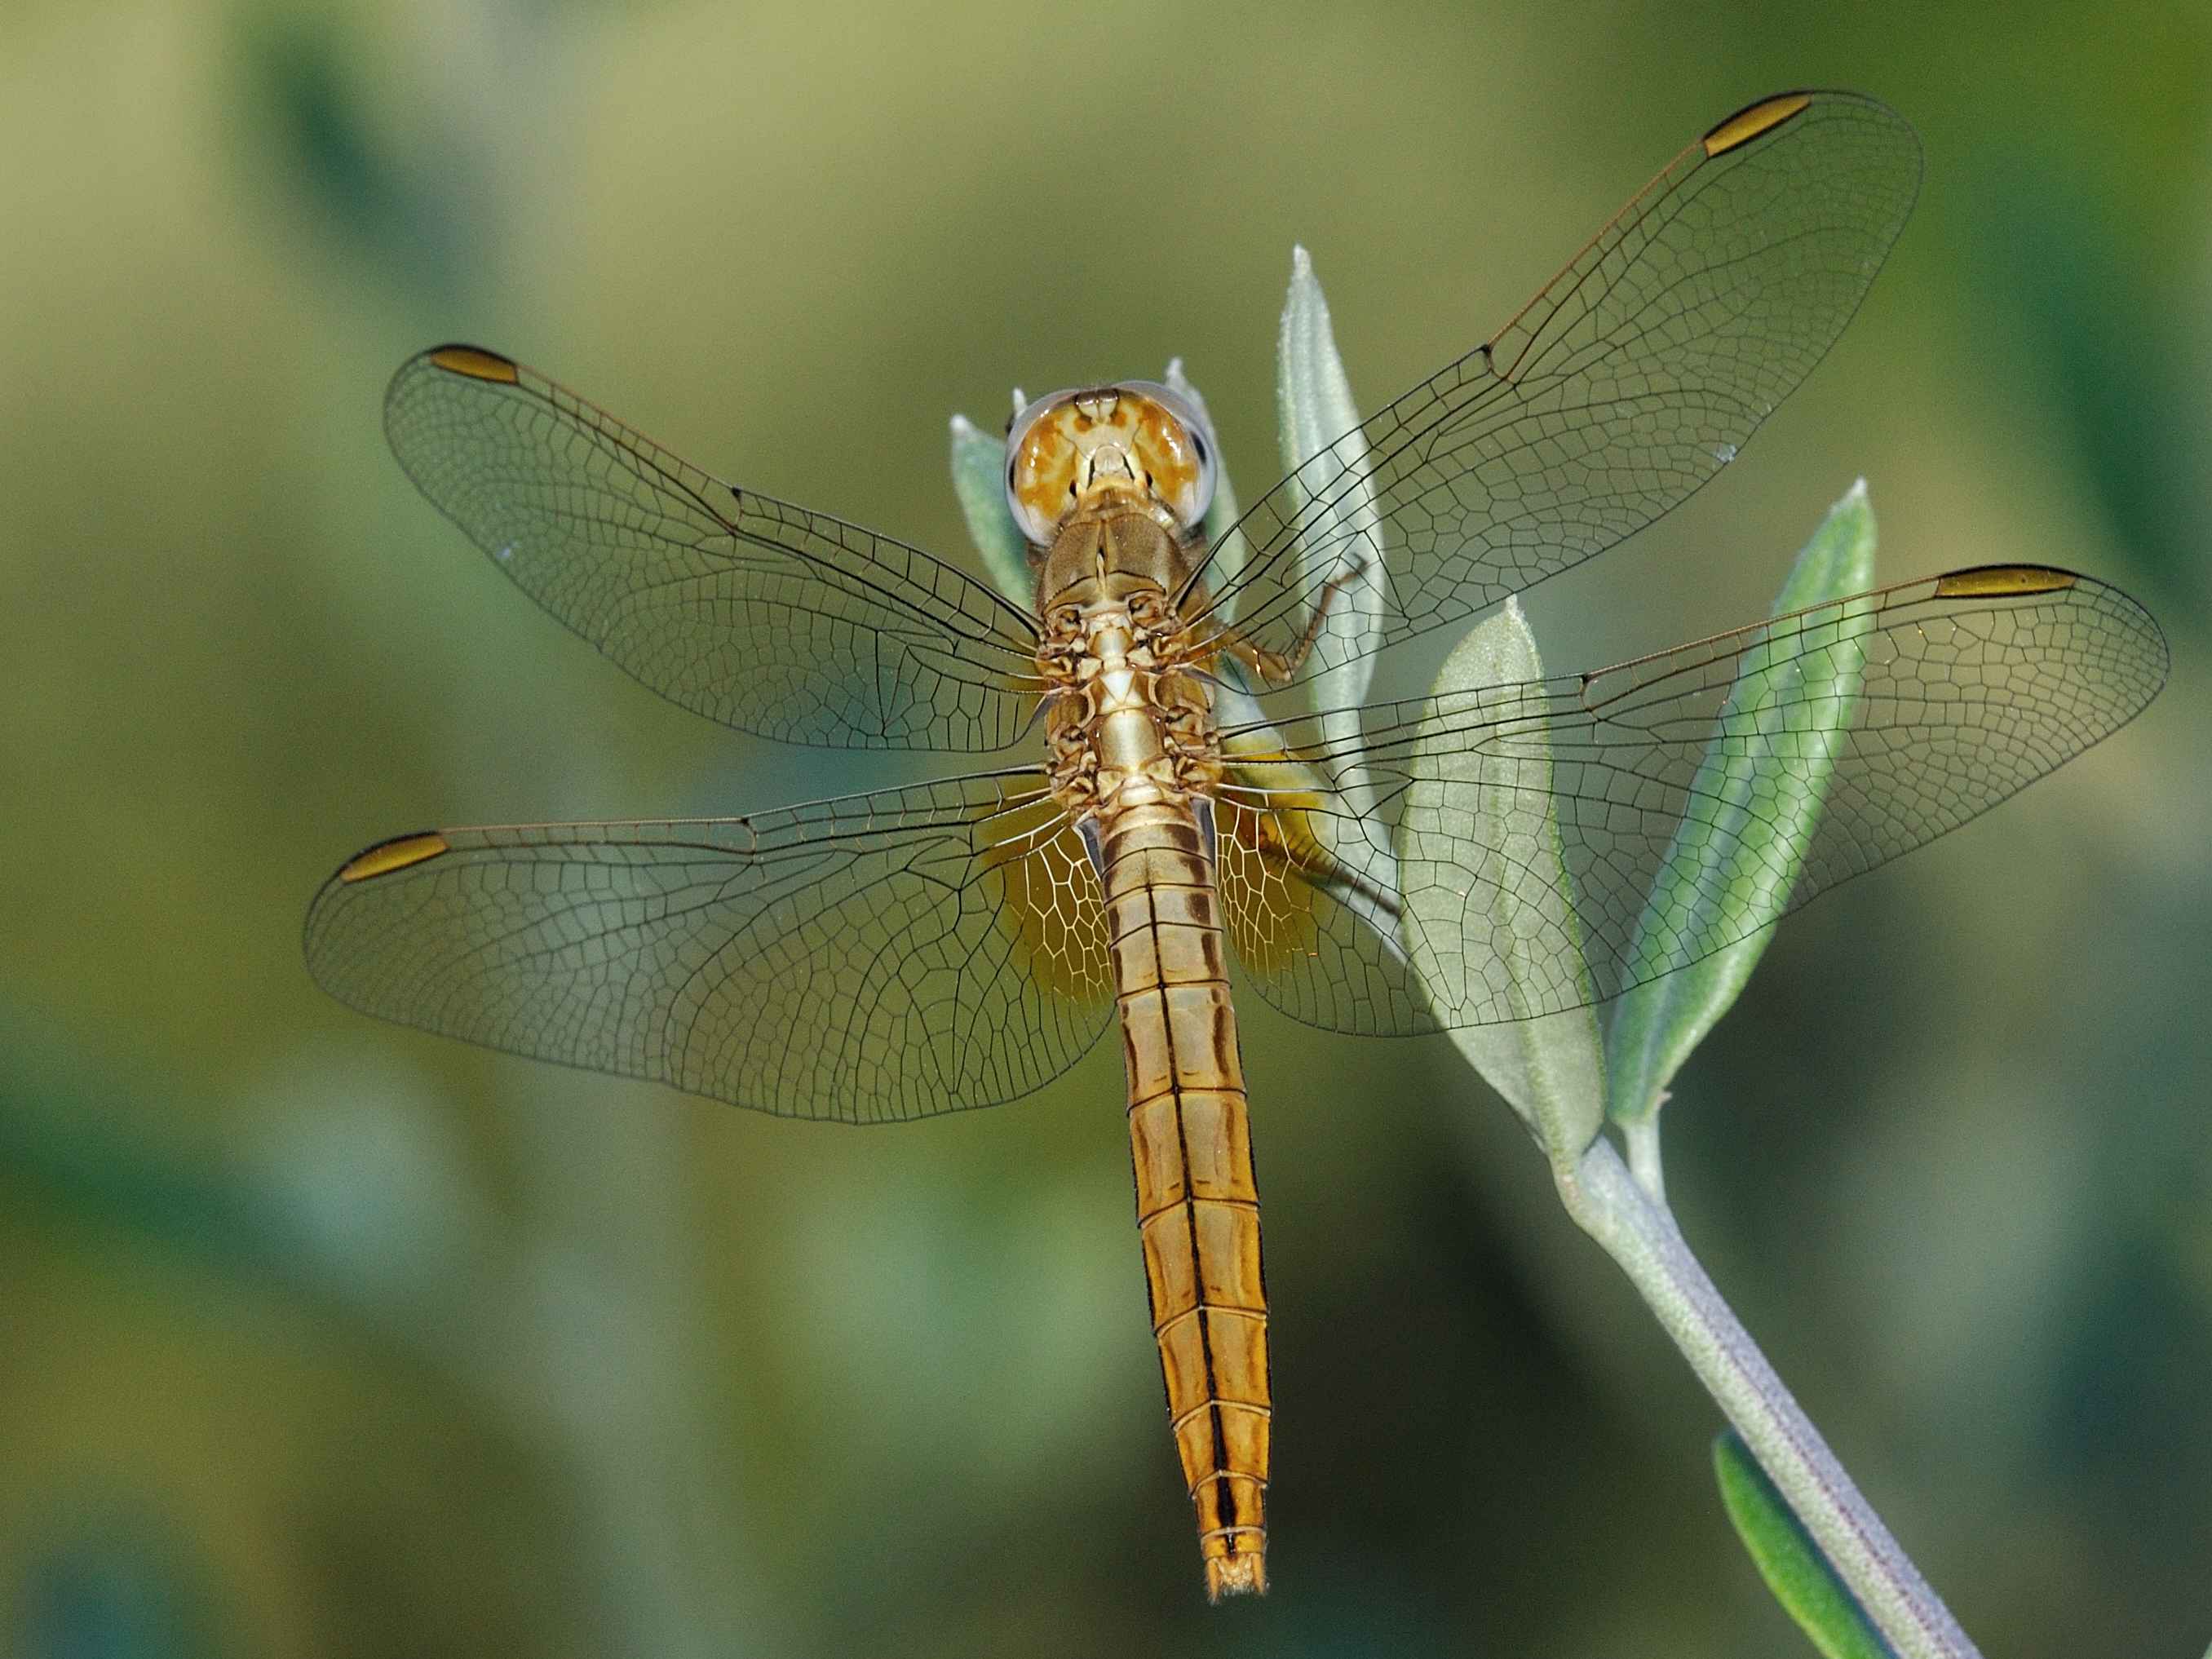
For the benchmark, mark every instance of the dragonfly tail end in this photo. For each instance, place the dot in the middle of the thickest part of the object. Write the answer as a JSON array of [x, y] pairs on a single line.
[[1242, 1574]]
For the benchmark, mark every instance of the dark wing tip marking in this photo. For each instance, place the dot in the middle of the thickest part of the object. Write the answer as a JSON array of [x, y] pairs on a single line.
[[2003, 580], [1747, 122], [474, 362], [400, 852]]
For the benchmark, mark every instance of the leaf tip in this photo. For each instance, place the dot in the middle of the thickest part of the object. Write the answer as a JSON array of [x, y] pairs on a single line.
[[1798, 1576]]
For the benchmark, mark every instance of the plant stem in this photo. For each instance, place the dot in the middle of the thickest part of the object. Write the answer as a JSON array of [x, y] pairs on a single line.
[[1638, 1231]]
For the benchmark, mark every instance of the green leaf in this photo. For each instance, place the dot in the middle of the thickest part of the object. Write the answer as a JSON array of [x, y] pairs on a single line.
[[1762, 782], [1788, 1559], [1318, 427], [1318, 431], [979, 479], [1550, 1067], [1222, 515]]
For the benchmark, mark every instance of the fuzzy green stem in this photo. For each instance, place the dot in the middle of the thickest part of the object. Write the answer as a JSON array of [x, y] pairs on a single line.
[[1638, 1231]]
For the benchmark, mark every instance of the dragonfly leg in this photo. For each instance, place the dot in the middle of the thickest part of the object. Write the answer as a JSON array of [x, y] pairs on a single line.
[[1279, 667]]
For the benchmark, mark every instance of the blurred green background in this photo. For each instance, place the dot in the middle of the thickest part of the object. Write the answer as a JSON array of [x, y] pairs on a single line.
[[320, 1337]]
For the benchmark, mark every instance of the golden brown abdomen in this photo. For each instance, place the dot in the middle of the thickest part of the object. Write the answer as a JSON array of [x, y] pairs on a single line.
[[1197, 1209]]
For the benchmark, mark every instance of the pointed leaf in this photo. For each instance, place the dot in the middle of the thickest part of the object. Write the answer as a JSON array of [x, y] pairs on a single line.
[[1318, 420], [979, 479], [1655, 1026], [1550, 1068], [1229, 550], [1319, 430], [1788, 1559]]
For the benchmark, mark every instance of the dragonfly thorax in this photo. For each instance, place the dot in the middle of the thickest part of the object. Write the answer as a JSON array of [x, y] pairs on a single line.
[[1131, 717], [1115, 545]]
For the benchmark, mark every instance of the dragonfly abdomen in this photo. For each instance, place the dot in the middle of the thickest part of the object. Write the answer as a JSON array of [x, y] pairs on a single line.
[[1198, 1208]]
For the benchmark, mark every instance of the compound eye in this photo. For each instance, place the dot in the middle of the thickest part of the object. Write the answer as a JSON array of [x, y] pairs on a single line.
[[1209, 474], [1176, 448], [1042, 461], [1063, 445]]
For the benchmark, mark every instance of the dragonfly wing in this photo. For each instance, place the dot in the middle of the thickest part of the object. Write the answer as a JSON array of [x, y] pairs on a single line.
[[1310, 899], [1630, 380], [1961, 689], [777, 621], [866, 959]]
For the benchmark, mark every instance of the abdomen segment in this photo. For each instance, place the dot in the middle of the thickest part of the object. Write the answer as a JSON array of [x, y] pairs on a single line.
[[1197, 1208]]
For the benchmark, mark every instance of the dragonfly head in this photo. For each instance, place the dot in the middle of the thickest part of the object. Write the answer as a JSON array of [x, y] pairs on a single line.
[[1066, 448]]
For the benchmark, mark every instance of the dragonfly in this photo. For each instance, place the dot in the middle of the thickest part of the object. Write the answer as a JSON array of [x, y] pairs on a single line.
[[961, 942]]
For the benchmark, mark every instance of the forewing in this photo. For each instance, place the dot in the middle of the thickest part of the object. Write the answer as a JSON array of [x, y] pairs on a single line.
[[1630, 380], [779, 621], [871, 958], [1963, 688]]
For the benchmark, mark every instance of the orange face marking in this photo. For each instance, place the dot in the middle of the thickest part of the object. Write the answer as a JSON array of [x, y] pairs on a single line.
[[1040, 476], [1084, 439]]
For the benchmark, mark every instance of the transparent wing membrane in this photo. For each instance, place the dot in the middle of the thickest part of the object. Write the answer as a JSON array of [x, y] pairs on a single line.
[[880, 956], [919, 950], [1967, 688], [777, 621], [1633, 378]]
